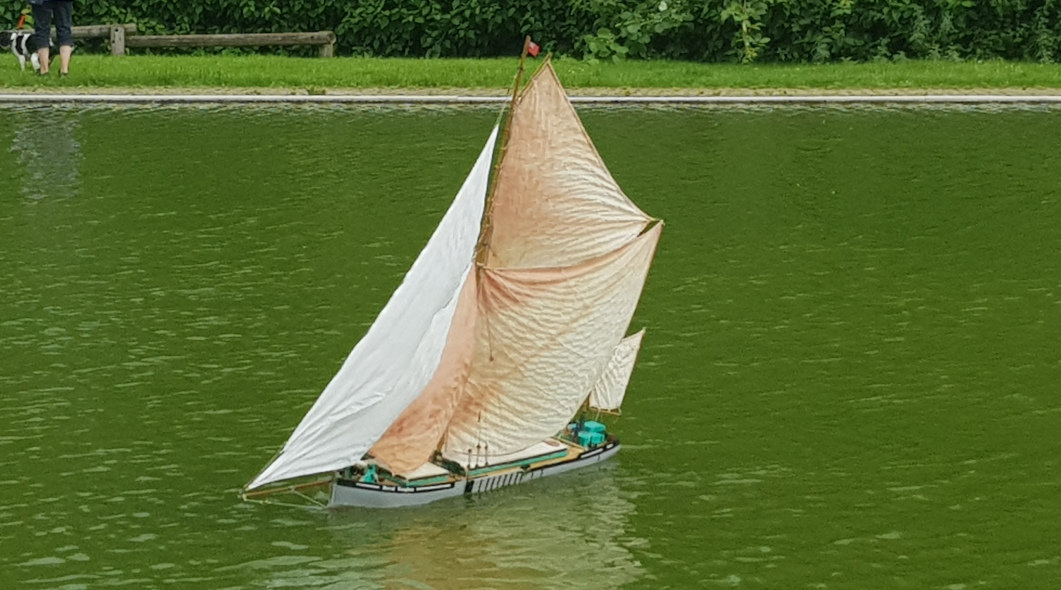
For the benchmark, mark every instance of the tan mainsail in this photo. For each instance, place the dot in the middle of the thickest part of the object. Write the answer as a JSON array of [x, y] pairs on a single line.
[[567, 262], [544, 338]]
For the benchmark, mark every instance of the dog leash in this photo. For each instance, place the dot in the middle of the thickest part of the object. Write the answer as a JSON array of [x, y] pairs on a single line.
[[21, 22]]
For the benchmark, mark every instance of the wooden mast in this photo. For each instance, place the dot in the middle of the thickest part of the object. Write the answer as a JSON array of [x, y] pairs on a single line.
[[482, 249], [486, 229]]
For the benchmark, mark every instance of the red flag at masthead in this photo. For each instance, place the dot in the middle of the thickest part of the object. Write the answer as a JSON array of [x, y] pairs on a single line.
[[533, 49]]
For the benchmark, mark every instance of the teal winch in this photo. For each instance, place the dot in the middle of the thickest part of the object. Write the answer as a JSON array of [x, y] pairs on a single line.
[[591, 433]]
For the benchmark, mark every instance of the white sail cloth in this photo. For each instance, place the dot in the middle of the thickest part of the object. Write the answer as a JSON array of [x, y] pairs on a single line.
[[608, 393], [396, 359]]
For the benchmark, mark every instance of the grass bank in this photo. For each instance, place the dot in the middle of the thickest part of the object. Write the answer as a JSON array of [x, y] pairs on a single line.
[[91, 73]]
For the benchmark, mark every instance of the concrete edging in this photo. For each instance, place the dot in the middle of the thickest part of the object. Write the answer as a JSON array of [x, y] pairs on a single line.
[[442, 99]]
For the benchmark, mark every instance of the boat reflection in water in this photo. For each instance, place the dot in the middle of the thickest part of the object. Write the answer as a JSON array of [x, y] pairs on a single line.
[[564, 532]]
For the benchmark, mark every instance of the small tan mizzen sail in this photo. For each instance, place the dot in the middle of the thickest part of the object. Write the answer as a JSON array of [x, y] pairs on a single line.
[[608, 393]]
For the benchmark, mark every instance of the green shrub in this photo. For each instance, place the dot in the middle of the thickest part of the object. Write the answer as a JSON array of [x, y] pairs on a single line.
[[697, 30]]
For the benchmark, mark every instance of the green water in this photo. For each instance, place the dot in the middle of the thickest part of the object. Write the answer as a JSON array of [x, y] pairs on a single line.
[[850, 378]]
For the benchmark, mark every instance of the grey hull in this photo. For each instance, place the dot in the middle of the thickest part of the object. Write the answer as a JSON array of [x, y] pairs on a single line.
[[370, 495]]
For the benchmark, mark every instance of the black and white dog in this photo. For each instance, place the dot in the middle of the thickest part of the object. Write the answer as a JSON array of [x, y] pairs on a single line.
[[22, 45]]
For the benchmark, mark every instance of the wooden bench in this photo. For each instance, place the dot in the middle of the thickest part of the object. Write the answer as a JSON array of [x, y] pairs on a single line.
[[122, 36], [118, 32], [325, 39], [99, 31]]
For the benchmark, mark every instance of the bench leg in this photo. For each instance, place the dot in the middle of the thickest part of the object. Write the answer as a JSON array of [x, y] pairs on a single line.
[[328, 50], [117, 40]]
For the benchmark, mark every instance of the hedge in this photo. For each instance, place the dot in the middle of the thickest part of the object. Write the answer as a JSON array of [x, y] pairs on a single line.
[[695, 30]]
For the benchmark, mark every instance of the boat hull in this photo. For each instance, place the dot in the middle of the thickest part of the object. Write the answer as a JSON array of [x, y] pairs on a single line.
[[369, 495]]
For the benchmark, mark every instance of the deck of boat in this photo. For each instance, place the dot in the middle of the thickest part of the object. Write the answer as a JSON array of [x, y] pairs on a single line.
[[548, 452]]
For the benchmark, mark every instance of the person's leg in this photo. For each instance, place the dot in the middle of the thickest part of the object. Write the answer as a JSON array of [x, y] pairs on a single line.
[[65, 51], [42, 33], [64, 25]]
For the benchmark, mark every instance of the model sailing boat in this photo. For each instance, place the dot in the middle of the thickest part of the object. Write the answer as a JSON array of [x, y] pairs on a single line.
[[510, 323]]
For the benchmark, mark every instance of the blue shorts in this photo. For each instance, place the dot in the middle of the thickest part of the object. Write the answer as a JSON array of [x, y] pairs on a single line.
[[63, 10]]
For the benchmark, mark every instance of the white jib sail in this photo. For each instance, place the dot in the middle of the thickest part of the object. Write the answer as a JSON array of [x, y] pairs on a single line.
[[396, 359], [608, 393]]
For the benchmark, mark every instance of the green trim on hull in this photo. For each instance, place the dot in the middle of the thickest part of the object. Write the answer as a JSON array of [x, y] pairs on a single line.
[[520, 463], [426, 481]]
